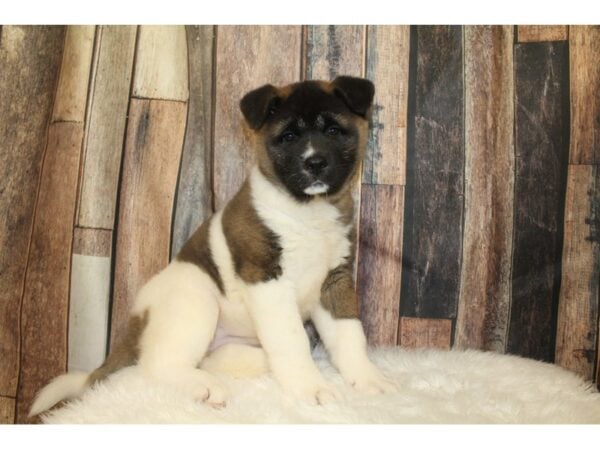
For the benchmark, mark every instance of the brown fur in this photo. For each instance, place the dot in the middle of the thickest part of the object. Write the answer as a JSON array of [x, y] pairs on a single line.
[[254, 248], [197, 251], [125, 353], [338, 295]]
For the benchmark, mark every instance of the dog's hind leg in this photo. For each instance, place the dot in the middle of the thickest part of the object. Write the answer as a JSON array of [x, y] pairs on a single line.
[[183, 311]]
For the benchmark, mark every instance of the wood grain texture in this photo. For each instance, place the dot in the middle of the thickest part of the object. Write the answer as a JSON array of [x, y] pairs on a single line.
[[576, 336], [92, 241], [153, 147], [539, 33], [194, 192], [416, 332], [30, 59], [541, 143], [584, 57], [387, 67], [247, 58], [435, 175], [484, 301], [379, 269], [7, 410], [45, 306], [333, 50], [109, 98], [72, 90], [161, 68]]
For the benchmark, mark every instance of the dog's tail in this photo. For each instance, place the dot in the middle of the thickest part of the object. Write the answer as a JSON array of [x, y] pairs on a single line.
[[62, 387]]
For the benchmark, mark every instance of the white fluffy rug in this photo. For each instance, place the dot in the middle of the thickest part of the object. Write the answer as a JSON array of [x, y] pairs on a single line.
[[434, 387]]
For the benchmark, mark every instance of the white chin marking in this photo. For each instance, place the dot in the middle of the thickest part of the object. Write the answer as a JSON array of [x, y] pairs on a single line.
[[318, 187]]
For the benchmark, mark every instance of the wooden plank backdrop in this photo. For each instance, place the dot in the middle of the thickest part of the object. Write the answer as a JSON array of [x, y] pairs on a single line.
[[477, 213]]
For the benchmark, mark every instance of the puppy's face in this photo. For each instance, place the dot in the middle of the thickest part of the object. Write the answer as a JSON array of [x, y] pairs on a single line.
[[310, 136]]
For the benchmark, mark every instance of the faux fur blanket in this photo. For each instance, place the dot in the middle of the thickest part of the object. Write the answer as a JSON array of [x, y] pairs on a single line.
[[434, 387]]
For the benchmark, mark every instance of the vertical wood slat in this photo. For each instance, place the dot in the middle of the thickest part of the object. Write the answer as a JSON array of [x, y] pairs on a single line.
[[194, 192], [161, 70], [7, 410], [577, 332], [380, 251], [30, 58], [416, 333], [435, 175], [484, 302], [387, 67], [153, 146], [584, 56], [539, 33], [109, 97], [541, 142], [247, 58]]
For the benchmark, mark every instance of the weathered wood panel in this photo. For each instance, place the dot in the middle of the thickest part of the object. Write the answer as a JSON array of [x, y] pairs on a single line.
[[379, 269], [484, 301], [90, 293], [584, 56], [435, 174], [109, 98], [538, 33], [30, 59], [247, 58], [153, 147], [71, 93], [387, 67], [194, 193], [161, 67], [418, 333], [578, 305], [542, 145], [7, 410], [45, 307]]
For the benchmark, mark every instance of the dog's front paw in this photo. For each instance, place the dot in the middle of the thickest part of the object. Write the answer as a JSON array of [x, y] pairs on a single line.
[[314, 391], [371, 381]]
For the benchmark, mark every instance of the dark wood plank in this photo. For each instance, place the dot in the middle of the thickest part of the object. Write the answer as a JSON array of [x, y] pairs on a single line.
[[45, 306], [416, 332], [7, 410], [30, 58], [387, 67], [539, 33], [153, 147], [484, 300], [542, 146], [584, 57], [194, 192], [247, 58], [435, 174], [577, 332], [380, 255], [109, 98]]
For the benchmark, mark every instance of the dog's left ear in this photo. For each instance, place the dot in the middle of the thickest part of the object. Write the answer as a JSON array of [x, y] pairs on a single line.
[[256, 105], [357, 93]]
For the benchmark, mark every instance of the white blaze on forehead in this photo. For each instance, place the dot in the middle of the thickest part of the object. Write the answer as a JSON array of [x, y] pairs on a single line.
[[310, 151], [318, 187], [320, 122]]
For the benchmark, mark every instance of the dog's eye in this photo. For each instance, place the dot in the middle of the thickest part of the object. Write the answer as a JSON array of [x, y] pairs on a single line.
[[288, 137], [333, 130]]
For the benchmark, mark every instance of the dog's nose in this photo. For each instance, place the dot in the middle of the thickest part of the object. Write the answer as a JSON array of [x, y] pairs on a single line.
[[315, 164]]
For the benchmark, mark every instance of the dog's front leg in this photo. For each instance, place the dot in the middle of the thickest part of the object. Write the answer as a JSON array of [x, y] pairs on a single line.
[[336, 320], [280, 330]]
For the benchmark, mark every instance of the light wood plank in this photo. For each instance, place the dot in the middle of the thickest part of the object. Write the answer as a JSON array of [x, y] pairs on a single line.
[[161, 68], [7, 410], [484, 300], [194, 193], [539, 33], [333, 50], [584, 61], [416, 332], [247, 58], [30, 59], [152, 152], [106, 126], [380, 256], [387, 67], [72, 90], [578, 304], [46, 295]]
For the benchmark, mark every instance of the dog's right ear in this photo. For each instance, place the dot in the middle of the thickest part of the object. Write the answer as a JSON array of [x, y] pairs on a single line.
[[258, 104]]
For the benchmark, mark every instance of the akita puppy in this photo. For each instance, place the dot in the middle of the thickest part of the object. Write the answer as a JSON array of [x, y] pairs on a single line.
[[235, 298]]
